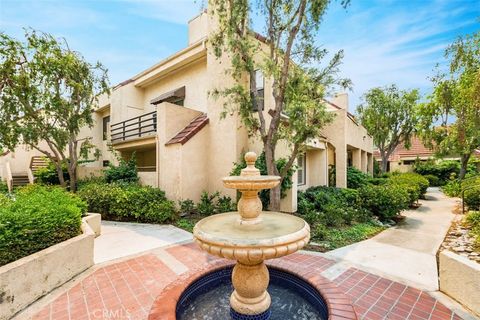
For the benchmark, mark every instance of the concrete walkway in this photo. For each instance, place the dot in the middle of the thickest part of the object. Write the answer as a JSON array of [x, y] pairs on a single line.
[[121, 239], [407, 251]]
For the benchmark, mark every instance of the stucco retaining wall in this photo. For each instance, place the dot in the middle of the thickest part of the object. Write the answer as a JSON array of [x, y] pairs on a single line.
[[460, 279], [29, 278]]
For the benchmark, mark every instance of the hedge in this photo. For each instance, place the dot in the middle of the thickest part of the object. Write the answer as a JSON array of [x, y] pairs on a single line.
[[38, 218], [330, 206], [384, 201], [415, 184], [472, 192], [356, 178], [127, 202]]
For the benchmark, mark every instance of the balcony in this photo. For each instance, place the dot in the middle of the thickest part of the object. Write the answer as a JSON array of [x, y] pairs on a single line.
[[135, 128]]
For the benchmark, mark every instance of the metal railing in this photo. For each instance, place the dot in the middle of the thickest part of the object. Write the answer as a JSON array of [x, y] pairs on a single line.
[[141, 126]]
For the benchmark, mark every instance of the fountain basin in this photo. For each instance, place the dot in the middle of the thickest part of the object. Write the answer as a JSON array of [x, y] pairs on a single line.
[[275, 236], [170, 304], [292, 298]]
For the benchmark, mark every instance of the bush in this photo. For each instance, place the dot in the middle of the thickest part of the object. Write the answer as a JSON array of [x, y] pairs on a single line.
[[329, 206], [415, 184], [126, 171], [39, 217], [3, 187], [356, 178], [187, 206], [434, 181], [384, 201], [128, 202], [214, 203], [49, 176], [471, 187]]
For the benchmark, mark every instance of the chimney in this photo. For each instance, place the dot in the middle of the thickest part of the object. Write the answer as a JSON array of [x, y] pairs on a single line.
[[197, 28], [341, 100]]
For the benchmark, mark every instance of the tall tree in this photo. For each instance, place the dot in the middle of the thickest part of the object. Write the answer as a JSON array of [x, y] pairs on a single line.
[[451, 118], [390, 116], [47, 94], [285, 56]]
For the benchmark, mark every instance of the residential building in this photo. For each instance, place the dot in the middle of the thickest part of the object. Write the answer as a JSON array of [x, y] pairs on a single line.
[[402, 159], [183, 145]]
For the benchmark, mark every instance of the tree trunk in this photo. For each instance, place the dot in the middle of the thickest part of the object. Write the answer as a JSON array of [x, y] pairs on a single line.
[[58, 166], [384, 162], [274, 204], [463, 167], [73, 179]]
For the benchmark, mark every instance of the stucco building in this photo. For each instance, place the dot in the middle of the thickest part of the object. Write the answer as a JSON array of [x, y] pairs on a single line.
[[166, 116]]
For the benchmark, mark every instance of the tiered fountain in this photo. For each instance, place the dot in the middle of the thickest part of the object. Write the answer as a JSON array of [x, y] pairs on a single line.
[[250, 237]]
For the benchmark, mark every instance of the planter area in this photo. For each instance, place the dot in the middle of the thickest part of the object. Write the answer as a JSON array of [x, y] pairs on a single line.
[[27, 279], [460, 279]]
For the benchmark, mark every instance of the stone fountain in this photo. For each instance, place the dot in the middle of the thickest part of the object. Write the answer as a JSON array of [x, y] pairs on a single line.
[[251, 236]]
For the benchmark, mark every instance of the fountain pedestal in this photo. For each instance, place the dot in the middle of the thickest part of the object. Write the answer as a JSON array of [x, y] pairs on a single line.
[[250, 237]]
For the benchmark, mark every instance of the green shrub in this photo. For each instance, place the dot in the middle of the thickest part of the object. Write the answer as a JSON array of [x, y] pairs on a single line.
[[453, 188], [384, 201], [39, 217], [49, 175], [206, 206], [356, 178], [126, 171], [128, 202], [4, 199], [214, 203], [3, 187], [187, 206], [330, 206], [378, 181], [471, 187], [412, 180], [434, 181]]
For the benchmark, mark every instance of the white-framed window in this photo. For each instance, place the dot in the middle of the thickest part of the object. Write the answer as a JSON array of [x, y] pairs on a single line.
[[259, 88], [301, 170]]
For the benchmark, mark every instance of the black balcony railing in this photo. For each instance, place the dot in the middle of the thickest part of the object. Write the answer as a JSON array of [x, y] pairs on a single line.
[[134, 128]]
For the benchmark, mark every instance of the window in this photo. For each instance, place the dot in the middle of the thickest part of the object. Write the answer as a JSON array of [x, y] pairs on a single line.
[[408, 162], [259, 90], [106, 163], [106, 127], [301, 170]]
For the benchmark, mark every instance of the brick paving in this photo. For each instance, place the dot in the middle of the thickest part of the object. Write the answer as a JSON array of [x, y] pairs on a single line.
[[127, 289]]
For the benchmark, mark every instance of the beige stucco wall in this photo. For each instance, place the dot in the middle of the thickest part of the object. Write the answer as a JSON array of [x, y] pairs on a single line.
[[460, 279], [27, 279]]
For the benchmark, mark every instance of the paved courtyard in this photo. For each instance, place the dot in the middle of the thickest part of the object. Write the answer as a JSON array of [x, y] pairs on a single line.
[[127, 289]]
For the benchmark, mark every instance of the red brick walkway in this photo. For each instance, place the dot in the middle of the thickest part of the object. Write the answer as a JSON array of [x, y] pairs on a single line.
[[127, 289]]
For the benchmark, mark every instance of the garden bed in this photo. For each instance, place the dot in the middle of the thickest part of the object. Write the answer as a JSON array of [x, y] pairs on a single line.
[[29, 278]]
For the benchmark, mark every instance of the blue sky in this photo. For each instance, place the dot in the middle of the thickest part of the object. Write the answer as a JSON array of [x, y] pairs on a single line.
[[384, 41]]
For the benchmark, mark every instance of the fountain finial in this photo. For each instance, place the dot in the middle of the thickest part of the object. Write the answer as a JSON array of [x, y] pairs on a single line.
[[250, 170]]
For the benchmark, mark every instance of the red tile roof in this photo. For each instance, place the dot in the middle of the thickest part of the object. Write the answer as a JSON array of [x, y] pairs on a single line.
[[190, 130], [417, 149]]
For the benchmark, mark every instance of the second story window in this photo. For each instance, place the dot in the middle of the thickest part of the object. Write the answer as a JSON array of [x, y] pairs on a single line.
[[259, 90], [301, 170], [106, 127]]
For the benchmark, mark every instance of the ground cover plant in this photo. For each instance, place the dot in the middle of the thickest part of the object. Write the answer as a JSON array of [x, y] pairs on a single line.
[[37, 217]]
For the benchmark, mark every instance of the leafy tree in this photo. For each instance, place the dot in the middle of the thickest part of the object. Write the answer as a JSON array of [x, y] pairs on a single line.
[[455, 104], [390, 116], [284, 57], [47, 94]]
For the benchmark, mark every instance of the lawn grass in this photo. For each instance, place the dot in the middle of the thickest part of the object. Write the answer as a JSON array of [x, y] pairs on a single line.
[[326, 239]]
